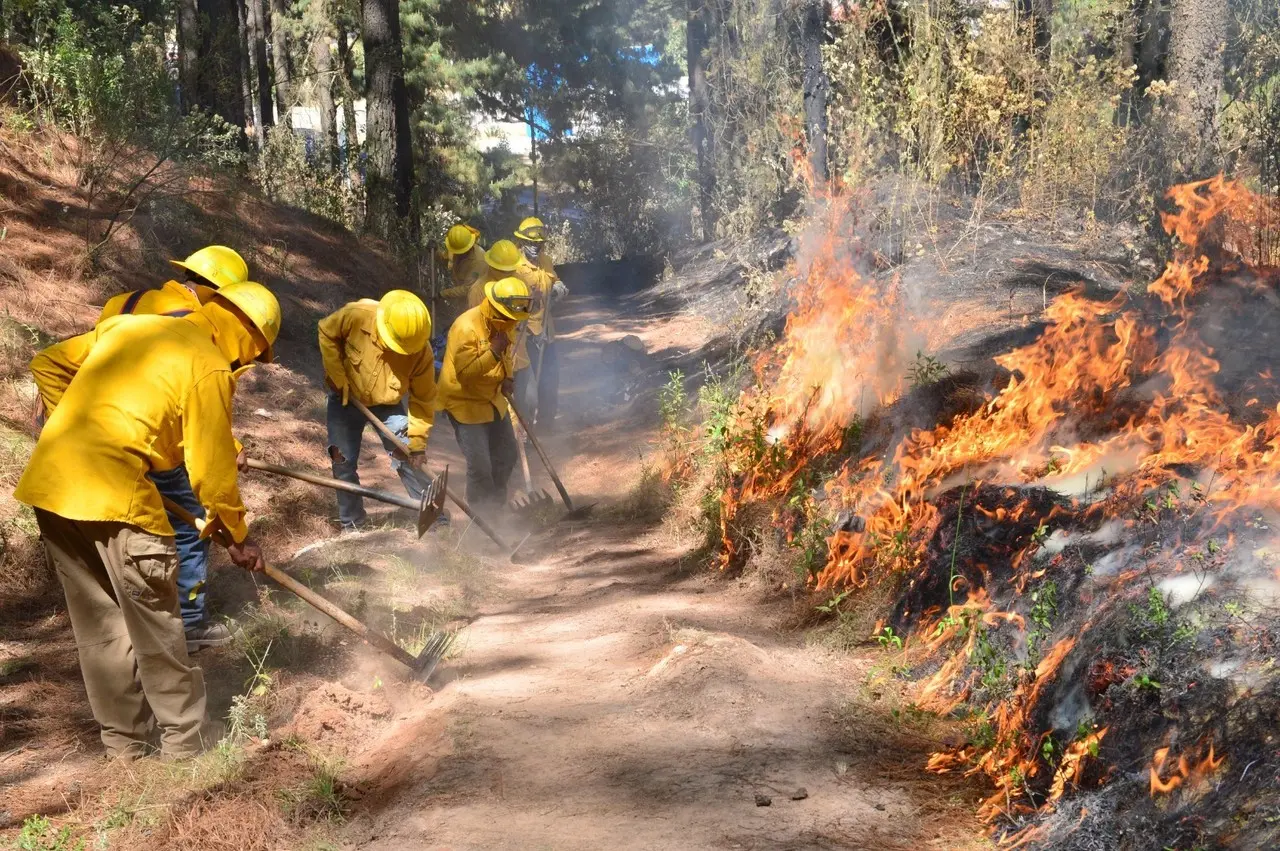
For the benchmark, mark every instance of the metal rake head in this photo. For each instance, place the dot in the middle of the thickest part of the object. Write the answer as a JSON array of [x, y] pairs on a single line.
[[533, 506], [432, 502], [438, 646]]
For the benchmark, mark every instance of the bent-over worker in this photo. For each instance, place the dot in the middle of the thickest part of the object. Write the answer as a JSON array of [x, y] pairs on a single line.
[[377, 352], [150, 393], [206, 270], [537, 363], [477, 376]]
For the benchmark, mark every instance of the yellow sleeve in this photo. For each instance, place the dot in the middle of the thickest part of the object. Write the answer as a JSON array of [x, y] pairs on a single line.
[[333, 335], [210, 452], [474, 358], [422, 401], [54, 367]]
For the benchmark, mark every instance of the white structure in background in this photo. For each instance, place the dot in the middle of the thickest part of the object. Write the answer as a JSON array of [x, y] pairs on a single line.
[[488, 133]]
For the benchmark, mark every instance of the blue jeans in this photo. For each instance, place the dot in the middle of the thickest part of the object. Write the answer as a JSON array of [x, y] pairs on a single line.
[[193, 553], [346, 430]]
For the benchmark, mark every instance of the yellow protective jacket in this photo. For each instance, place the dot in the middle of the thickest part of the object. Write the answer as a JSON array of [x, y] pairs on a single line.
[[465, 270], [151, 393], [172, 299], [357, 364], [540, 279], [472, 375]]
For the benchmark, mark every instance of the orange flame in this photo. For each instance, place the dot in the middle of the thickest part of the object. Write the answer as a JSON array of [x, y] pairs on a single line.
[[1183, 772]]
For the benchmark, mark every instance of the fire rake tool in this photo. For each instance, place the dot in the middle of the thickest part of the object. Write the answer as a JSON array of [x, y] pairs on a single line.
[[574, 513], [403, 452], [421, 665], [428, 508]]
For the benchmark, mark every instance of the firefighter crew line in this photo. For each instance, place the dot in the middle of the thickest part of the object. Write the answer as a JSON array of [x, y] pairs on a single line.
[[138, 411]]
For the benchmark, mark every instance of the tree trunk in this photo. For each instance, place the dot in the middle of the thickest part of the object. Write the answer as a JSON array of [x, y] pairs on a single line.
[[260, 68], [218, 73], [696, 42], [322, 65], [1040, 14], [246, 73], [816, 85], [188, 52], [1199, 33], [282, 63], [346, 85], [389, 167], [1147, 50]]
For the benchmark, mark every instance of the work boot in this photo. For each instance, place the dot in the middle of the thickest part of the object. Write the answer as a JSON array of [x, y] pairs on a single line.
[[208, 634]]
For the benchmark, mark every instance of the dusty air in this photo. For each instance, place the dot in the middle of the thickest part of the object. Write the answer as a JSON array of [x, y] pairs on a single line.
[[622, 424]]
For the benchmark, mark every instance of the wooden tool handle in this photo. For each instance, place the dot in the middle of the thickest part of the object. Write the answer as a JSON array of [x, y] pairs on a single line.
[[287, 582], [384, 644], [546, 462], [403, 451]]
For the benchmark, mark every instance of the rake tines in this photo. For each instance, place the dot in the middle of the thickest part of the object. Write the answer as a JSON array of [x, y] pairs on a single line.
[[535, 505], [437, 648]]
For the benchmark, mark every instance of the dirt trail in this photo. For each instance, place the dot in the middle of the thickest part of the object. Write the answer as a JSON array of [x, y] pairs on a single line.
[[615, 696]]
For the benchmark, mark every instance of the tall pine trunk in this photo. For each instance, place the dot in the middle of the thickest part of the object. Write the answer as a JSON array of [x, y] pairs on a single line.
[[282, 63], [246, 73], [260, 69], [1199, 33], [321, 63], [389, 165], [696, 43], [347, 87], [188, 51], [816, 84]]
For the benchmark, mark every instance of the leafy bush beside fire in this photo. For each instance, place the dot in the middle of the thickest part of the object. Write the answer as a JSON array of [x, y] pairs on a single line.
[[1070, 546]]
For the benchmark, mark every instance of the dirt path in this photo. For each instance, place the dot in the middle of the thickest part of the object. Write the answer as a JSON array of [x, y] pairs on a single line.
[[618, 697]]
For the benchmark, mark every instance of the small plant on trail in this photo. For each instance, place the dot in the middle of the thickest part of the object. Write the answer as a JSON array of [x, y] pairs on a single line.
[[926, 370], [38, 835], [888, 640], [1044, 608], [673, 402], [833, 605]]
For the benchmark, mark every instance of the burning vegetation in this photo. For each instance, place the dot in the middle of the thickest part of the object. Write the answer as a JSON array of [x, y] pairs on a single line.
[[1079, 535]]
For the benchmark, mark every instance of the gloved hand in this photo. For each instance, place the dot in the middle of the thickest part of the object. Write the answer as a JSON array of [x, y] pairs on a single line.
[[508, 387], [558, 290], [242, 459], [341, 391], [499, 343], [247, 555], [418, 459]]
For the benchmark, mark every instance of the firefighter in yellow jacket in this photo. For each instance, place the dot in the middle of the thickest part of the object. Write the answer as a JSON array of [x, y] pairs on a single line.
[[477, 376], [206, 270], [150, 393], [466, 266], [538, 363], [377, 352]]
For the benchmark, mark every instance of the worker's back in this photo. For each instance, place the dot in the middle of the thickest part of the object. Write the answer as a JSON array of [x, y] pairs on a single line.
[[121, 417]]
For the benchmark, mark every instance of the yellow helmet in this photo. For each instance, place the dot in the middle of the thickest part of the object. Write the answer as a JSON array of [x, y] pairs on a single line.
[[532, 230], [217, 264], [510, 297], [260, 306], [460, 239], [504, 256], [404, 324]]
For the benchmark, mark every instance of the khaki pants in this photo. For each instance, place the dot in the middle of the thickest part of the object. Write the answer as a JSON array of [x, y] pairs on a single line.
[[122, 596]]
